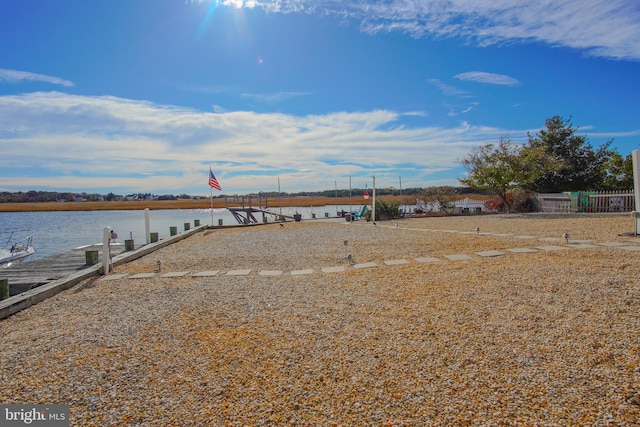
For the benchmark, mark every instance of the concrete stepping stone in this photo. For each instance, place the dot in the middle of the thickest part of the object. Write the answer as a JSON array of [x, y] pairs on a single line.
[[365, 265], [337, 269], [238, 272], [143, 276], [550, 248], [396, 262], [209, 273], [113, 277], [522, 250], [270, 273], [489, 253], [428, 259], [302, 272], [630, 248], [458, 257], [582, 245], [175, 274], [613, 244]]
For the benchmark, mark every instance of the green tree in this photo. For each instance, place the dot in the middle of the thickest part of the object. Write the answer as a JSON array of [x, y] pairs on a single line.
[[618, 172], [583, 167], [504, 167]]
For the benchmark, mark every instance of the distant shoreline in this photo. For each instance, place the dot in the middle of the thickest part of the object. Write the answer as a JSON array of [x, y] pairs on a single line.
[[203, 203]]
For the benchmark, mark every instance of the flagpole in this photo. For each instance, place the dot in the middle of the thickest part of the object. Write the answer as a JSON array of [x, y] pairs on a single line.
[[213, 183], [336, 184], [279, 198], [211, 198], [350, 208], [211, 195], [373, 202]]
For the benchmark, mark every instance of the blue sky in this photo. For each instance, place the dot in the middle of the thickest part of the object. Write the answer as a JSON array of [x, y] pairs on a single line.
[[144, 96]]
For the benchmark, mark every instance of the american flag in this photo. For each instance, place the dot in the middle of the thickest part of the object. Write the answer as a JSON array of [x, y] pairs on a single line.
[[213, 182]]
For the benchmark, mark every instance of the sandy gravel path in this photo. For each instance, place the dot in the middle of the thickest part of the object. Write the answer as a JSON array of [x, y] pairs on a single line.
[[549, 337]]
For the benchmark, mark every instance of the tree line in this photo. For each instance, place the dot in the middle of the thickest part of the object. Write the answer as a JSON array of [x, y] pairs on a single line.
[[554, 160], [53, 196]]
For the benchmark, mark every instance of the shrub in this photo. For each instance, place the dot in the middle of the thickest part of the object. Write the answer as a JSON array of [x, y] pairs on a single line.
[[385, 210]]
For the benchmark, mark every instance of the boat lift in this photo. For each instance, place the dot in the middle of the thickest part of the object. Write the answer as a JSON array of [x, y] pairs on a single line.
[[244, 212]]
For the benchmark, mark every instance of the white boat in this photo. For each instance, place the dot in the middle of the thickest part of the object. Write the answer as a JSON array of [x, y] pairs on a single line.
[[17, 247]]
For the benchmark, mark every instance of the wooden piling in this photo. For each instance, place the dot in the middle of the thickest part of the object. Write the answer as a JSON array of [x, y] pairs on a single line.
[[4, 288], [91, 257]]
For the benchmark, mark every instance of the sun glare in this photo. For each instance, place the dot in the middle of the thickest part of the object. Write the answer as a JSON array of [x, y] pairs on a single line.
[[207, 17], [215, 4]]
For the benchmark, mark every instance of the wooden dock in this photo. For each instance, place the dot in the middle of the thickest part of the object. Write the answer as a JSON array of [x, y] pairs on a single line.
[[37, 280], [31, 274]]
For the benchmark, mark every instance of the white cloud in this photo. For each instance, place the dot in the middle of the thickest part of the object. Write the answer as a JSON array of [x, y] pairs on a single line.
[[273, 98], [15, 76], [106, 142], [605, 28], [448, 89], [490, 78]]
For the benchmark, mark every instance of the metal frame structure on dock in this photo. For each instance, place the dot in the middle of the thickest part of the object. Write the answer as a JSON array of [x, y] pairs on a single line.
[[244, 212]]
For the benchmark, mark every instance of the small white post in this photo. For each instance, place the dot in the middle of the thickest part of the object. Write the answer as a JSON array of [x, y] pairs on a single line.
[[635, 155], [106, 250], [147, 226], [373, 201]]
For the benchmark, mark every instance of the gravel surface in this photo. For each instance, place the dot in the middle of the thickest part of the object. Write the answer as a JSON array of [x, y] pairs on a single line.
[[549, 338]]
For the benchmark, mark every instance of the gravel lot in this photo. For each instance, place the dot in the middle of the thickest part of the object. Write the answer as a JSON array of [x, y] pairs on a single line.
[[549, 337]]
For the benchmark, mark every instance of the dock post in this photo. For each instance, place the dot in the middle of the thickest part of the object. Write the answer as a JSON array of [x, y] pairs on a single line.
[[196, 223], [128, 245], [220, 222], [173, 231], [91, 257], [106, 251], [153, 237], [4, 288], [147, 225], [187, 226], [264, 217]]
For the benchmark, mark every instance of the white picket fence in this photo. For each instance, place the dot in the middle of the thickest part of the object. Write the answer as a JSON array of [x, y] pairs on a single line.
[[588, 201]]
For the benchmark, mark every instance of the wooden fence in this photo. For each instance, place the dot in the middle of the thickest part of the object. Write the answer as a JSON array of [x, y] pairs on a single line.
[[588, 201]]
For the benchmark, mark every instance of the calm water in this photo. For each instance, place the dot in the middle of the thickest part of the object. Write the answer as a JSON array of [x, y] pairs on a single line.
[[57, 232]]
